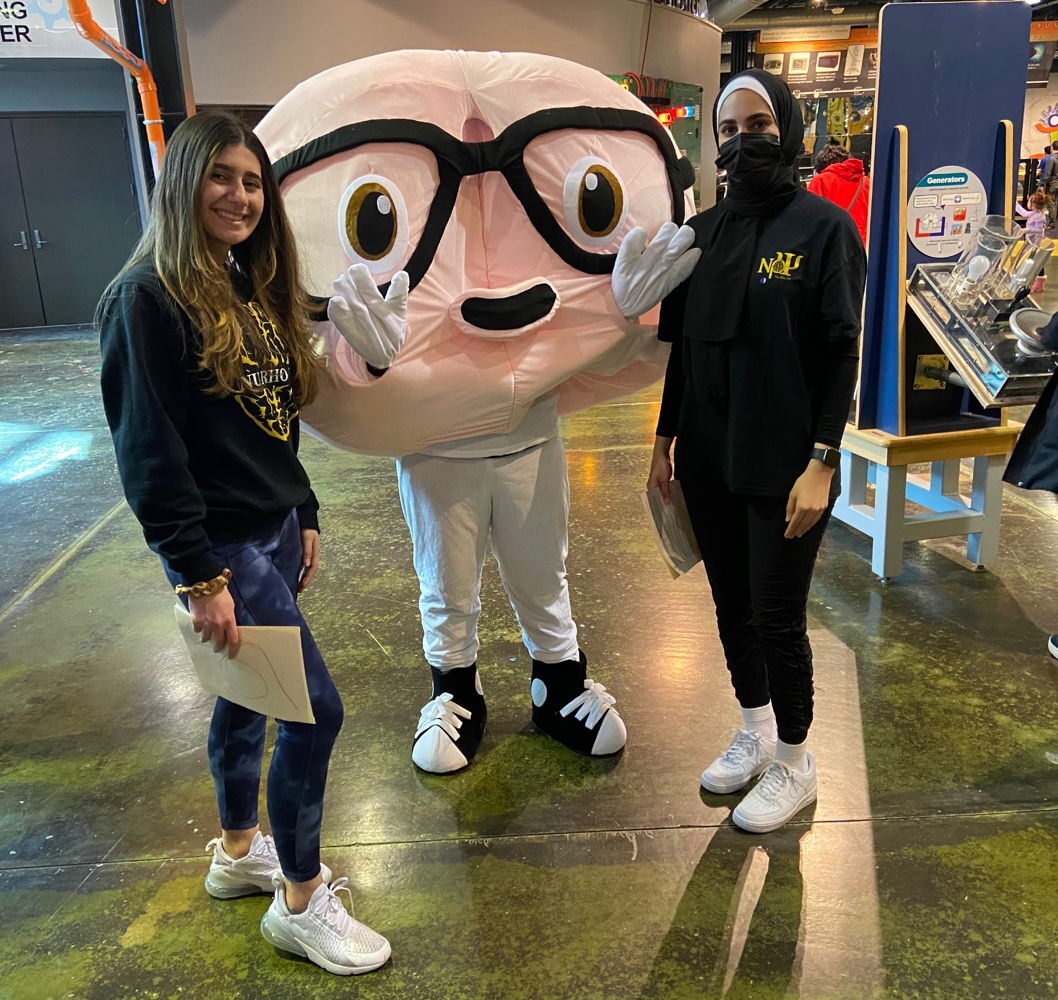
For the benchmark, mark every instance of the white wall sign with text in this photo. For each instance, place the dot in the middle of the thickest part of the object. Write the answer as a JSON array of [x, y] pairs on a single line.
[[811, 34], [944, 211], [42, 29]]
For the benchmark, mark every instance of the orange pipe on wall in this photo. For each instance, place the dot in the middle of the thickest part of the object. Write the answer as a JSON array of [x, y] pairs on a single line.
[[86, 25]]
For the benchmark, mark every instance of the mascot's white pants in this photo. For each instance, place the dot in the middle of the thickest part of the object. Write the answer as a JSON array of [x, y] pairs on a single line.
[[452, 505]]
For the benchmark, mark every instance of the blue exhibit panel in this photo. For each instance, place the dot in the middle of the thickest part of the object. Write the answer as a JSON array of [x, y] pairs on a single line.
[[950, 73]]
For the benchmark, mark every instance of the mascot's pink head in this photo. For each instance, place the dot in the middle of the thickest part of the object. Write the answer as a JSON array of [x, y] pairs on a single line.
[[503, 184]]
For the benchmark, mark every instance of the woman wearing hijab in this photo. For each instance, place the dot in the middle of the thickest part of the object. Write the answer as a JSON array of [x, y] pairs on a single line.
[[764, 340]]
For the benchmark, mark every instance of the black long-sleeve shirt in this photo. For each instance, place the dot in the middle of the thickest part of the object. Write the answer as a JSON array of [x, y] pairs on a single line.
[[1034, 463], [197, 468], [747, 412]]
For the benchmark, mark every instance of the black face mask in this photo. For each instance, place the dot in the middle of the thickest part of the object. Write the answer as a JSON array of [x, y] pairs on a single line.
[[753, 162]]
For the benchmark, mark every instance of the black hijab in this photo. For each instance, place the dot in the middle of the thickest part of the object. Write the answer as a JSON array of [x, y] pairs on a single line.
[[761, 182]]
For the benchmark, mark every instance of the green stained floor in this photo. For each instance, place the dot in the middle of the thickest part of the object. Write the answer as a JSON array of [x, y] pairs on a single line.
[[928, 868]]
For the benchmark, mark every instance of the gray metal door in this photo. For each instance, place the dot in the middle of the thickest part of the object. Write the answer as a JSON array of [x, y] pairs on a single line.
[[81, 205], [19, 293]]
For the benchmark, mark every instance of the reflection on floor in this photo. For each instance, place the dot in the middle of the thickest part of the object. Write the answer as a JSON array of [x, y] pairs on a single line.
[[926, 870]]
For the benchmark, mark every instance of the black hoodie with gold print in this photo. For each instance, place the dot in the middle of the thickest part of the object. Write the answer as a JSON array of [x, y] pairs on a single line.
[[197, 468]]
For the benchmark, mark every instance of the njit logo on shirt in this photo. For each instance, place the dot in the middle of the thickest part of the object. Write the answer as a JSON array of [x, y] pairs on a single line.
[[782, 265]]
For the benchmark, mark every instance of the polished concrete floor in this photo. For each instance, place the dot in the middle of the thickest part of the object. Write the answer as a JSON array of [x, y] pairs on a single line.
[[928, 868]]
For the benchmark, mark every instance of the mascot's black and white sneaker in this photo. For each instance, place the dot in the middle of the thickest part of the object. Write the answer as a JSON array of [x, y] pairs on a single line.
[[452, 723], [571, 708]]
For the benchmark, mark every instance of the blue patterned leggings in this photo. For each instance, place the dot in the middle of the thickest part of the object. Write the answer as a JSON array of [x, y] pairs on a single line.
[[264, 584]]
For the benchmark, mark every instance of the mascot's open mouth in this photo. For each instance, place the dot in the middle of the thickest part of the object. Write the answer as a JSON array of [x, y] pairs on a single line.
[[501, 316], [512, 311]]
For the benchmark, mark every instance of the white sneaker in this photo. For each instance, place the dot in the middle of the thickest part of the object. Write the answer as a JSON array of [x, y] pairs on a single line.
[[325, 933], [231, 877], [747, 756], [780, 795]]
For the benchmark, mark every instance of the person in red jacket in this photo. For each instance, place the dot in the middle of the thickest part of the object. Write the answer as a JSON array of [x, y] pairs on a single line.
[[840, 178]]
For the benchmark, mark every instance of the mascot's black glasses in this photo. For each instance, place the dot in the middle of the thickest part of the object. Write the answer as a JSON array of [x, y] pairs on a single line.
[[506, 153]]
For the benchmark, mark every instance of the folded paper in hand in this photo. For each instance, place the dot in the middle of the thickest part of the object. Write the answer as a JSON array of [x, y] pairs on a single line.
[[267, 676], [672, 529]]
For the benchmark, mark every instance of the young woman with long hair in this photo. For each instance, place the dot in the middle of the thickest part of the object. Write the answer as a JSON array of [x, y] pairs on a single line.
[[764, 340], [206, 363]]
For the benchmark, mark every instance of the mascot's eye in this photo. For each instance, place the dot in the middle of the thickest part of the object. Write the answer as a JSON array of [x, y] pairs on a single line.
[[373, 222], [370, 221], [594, 200], [600, 201]]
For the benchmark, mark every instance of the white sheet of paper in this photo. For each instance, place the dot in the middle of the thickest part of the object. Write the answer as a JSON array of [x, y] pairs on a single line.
[[268, 675], [672, 529]]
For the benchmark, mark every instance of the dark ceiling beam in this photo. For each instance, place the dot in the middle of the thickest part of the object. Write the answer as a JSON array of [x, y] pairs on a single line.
[[725, 12], [756, 20]]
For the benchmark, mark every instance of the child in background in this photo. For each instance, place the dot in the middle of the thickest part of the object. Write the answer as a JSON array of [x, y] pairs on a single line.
[[1036, 218], [1035, 215]]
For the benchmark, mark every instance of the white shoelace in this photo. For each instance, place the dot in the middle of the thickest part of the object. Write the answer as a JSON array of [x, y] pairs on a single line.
[[444, 713], [265, 849], [335, 915], [590, 706], [745, 744], [774, 781]]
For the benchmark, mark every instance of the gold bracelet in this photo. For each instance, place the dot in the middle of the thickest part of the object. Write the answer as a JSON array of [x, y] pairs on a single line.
[[207, 588]]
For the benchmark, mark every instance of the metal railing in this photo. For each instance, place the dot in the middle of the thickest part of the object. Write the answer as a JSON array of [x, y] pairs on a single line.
[[699, 8]]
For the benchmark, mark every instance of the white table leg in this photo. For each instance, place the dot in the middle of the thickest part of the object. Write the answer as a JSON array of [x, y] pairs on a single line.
[[982, 548], [854, 478], [944, 477], [887, 553]]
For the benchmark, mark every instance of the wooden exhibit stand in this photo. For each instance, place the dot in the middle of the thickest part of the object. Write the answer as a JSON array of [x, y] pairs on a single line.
[[901, 421], [873, 456]]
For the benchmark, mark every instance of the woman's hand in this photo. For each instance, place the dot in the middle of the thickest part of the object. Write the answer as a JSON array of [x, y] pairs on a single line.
[[214, 619], [310, 557], [661, 468], [808, 500]]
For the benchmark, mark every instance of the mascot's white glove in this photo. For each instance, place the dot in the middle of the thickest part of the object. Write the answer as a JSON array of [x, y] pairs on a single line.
[[373, 326], [645, 273]]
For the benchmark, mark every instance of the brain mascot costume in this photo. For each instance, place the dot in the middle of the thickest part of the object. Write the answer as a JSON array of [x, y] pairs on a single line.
[[473, 228]]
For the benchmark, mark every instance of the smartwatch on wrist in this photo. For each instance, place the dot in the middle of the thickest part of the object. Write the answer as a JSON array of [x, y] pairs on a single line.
[[830, 457]]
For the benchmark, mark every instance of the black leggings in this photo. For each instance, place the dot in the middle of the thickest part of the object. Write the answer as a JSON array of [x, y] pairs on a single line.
[[760, 584]]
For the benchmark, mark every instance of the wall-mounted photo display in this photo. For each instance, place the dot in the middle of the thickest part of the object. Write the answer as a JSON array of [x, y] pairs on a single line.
[[828, 63], [774, 63], [854, 61], [800, 62], [1041, 57]]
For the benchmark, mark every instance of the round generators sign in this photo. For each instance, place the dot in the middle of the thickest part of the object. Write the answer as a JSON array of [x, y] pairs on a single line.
[[944, 211]]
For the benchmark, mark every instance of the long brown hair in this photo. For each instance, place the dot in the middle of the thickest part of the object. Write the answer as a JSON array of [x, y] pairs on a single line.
[[175, 241]]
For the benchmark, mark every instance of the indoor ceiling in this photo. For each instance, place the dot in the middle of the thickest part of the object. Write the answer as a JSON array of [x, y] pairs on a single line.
[[810, 7], [1040, 12]]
